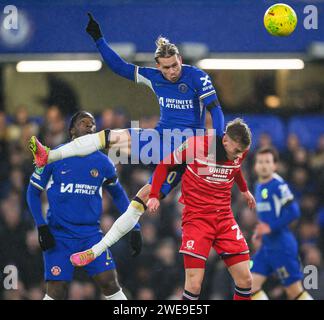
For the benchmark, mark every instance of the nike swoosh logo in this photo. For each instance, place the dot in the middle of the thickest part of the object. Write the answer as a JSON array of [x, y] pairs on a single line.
[[64, 172]]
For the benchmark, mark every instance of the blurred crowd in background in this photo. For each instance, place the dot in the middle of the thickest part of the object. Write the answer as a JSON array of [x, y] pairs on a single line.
[[157, 273]]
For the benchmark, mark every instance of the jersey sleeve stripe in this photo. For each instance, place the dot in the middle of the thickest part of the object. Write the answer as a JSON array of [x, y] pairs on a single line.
[[142, 80], [36, 185], [207, 94], [136, 74], [175, 157]]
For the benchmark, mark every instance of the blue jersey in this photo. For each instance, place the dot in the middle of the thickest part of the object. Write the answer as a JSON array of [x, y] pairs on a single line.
[[74, 192], [273, 207], [182, 103]]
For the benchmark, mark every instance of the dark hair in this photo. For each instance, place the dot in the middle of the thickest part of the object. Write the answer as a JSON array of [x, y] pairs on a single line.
[[270, 150], [239, 131], [78, 115]]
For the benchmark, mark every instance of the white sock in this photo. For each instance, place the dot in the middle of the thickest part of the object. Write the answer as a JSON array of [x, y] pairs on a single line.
[[125, 223], [305, 296], [47, 297], [259, 295], [119, 295], [81, 146]]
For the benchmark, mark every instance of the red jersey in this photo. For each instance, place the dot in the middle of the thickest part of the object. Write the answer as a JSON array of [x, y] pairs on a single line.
[[209, 175]]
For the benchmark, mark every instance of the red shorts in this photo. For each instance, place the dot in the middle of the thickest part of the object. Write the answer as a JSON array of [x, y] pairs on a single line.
[[201, 232]]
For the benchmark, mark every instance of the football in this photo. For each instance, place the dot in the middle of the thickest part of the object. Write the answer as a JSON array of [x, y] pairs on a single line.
[[280, 20]]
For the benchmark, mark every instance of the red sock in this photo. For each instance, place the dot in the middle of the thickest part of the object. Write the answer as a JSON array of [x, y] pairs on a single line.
[[242, 293], [237, 297]]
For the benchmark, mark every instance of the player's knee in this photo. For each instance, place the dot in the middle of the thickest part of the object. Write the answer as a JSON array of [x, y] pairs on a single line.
[[193, 283], [244, 281]]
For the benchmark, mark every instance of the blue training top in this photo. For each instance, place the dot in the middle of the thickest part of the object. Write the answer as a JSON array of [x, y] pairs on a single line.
[[276, 206]]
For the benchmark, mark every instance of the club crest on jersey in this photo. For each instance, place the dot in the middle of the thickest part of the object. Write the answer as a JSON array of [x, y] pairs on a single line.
[[94, 173], [190, 245], [183, 88], [56, 270]]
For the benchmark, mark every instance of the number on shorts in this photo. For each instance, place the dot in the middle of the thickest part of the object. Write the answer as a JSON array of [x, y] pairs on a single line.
[[171, 177], [239, 235], [282, 273]]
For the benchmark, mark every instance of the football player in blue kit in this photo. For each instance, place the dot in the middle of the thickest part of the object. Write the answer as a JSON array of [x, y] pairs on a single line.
[[74, 191], [278, 248], [184, 93]]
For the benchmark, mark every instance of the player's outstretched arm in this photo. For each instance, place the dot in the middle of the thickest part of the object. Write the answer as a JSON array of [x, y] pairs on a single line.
[[207, 95], [34, 204], [112, 59], [248, 196], [45, 237], [93, 28], [217, 116]]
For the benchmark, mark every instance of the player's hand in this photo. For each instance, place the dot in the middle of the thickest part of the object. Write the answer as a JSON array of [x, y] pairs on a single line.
[[93, 28], [45, 238], [153, 204], [136, 242], [262, 228], [249, 199]]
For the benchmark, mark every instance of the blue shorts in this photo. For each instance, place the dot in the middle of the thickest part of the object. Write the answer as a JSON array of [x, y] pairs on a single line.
[[148, 147], [172, 180], [287, 266], [57, 262]]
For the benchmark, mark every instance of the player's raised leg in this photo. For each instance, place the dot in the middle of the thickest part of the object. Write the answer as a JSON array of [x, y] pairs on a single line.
[[125, 223], [81, 146], [40, 152]]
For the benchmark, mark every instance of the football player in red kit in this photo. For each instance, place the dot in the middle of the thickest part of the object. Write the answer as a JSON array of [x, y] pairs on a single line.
[[213, 164]]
